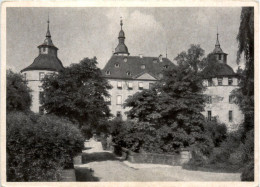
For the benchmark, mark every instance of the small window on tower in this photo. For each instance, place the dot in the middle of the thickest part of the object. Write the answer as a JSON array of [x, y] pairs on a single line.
[[117, 65], [219, 56], [230, 81], [220, 81], [44, 49], [41, 75]]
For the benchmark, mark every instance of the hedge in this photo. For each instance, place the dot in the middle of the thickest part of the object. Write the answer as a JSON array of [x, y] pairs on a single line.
[[39, 147]]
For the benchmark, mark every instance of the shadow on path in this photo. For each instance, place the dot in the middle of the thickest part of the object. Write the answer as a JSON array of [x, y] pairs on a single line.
[[98, 157]]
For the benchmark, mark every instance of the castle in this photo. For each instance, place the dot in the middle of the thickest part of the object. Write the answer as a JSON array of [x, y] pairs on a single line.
[[130, 74]]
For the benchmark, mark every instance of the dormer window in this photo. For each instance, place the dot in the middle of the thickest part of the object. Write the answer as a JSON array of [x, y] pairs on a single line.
[[165, 66], [142, 66], [125, 59], [117, 65], [128, 73], [108, 72]]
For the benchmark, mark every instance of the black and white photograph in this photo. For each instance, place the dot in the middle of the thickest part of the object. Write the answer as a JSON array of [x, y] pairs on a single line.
[[129, 94]]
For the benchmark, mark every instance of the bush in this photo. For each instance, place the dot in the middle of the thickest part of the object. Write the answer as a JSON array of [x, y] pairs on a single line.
[[38, 147]]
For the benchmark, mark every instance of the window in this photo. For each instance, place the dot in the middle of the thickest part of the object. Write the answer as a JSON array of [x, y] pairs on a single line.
[[128, 73], [41, 97], [24, 76], [230, 81], [41, 110], [220, 81], [108, 100], [107, 72], [209, 99], [231, 98], [155, 60], [119, 85], [125, 59], [210, 82], [130, 85], [44, 49], [219, 56], [165, 67], [142, 66], [151, 85], [209, 115], [140, 86], [117, 65], [41, 75], [118, 114], [119, 100], [230, 116]]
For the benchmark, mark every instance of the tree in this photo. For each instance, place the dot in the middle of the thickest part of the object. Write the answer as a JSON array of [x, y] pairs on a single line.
[[17, 93], [193, 57], [78, 93], [245, 93], [170, 113]]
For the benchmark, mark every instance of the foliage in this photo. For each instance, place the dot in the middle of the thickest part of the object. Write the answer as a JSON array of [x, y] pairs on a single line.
[[218, 132], [38, 147], [17, 93], [78, 93], [193, 57], [169, 115]]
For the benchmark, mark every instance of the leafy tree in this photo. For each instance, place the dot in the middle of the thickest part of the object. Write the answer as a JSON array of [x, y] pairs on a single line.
[[170, 112], [245, 93], [78, 93], [17, 93], [193, 57]]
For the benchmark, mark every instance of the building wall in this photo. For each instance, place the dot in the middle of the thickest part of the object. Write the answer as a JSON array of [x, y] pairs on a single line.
[[34, 83], [220, 104], [125, 92]]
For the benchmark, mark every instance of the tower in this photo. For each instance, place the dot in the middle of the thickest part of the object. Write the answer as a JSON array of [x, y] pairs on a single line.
[[121, 48], [218, 53], [47, 62]]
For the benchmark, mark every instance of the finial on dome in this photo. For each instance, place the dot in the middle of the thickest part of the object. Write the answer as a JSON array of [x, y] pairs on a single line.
[[121, 22], [217, 42], [48, 34]]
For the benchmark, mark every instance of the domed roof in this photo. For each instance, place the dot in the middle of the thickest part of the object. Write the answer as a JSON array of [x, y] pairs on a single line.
[[121, 48], [216, 69], [121, 34], [45, 62]]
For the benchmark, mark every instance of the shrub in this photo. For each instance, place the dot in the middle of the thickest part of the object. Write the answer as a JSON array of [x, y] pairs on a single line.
[[38, 147]]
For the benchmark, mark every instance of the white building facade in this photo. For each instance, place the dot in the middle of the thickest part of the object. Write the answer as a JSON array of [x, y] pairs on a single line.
[[130, 74], [46, 63]]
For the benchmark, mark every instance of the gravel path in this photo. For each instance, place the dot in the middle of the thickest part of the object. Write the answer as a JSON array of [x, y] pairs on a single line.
[[107, 167]]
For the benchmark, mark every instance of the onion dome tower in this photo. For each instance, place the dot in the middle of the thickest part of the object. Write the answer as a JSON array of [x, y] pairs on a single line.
[[47, 59], [219, 54], [121, 48], [46, 63]]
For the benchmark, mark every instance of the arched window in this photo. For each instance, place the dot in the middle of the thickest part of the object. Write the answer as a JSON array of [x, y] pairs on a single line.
[[117, 65]]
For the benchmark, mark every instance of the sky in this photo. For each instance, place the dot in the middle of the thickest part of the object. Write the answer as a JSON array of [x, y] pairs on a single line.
[[89, 32]]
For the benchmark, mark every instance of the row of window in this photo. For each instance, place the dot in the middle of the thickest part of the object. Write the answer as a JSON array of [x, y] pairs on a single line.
[[130, 85], [220, 82], [231, 99], [230, 116]]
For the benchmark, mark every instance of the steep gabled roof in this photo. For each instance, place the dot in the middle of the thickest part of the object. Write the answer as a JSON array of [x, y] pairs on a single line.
[[129, 67]]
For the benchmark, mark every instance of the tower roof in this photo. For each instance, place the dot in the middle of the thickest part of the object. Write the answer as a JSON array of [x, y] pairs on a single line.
[[121, 47], [217, 48], [47, 60]]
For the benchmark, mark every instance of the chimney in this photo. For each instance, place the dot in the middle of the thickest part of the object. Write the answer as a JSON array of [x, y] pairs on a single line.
[[160, 58], [141, 55]]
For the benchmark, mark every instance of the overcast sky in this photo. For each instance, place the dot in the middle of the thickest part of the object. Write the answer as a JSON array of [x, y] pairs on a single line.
[[88, 32]]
